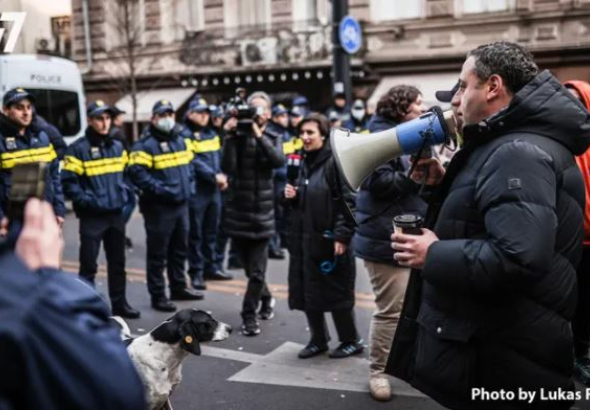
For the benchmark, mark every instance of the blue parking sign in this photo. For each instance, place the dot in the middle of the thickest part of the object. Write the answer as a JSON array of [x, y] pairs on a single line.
[[351, 35]]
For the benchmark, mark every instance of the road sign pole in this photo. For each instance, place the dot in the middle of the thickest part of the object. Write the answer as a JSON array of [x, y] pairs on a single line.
[[340, 59]]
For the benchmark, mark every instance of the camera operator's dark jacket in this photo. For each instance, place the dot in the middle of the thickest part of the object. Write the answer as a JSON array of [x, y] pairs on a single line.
[[492, 305], [316, 222], [57, 347], [160, 166], [93, 175], [249, 161], [206, 145], [18, 149], [386, 193]]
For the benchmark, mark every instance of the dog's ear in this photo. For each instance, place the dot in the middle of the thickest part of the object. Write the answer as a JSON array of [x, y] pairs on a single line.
[[188, 339]]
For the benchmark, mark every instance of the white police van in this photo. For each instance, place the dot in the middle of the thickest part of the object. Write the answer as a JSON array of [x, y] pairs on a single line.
[[56, 84]]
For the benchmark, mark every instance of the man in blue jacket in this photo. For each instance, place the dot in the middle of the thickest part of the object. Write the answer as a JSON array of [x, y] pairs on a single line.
[[161, 167], [93, 177], [20, 143], [57, 348], [205, 204]]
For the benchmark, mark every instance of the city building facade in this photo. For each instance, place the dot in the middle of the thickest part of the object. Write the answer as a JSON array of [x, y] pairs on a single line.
[[284, 46]]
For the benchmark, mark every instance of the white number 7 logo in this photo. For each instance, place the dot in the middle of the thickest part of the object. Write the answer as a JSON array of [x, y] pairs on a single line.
[[18, 18]]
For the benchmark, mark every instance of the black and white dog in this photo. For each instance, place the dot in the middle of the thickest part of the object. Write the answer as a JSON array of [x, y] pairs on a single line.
[[158, 355]]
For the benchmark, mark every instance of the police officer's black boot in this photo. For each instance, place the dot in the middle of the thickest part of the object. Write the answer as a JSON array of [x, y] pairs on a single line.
[[125, 311]]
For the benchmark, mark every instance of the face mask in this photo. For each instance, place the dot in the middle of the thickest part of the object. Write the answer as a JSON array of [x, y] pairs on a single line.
[[358, 114], [166, 124]]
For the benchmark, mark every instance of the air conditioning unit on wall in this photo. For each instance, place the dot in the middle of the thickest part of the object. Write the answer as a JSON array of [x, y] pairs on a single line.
[[262, 51]]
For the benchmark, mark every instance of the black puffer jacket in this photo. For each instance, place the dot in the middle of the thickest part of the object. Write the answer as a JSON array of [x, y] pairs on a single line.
[[249, 161], [386, 193], [496, 295], [316, 222]]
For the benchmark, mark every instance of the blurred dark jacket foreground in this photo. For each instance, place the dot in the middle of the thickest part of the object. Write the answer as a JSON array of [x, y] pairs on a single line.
[[492, 306], [57, 348]]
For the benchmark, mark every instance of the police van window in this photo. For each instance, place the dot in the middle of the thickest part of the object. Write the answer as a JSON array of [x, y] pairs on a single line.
[[60, 108]]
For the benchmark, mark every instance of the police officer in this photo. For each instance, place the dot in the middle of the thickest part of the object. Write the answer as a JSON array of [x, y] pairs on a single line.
[[301, 102], [93, 177], [205, 204], [340, 106], [358, 121], [278, 127], [57, 348], [20, 143], [295, 117], [161, 167]]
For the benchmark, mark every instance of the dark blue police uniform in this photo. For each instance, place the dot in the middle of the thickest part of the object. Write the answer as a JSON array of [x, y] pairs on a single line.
[[57, 348], [93, 177], [280, 181], [18, 149], [205, 205], [160, 166]]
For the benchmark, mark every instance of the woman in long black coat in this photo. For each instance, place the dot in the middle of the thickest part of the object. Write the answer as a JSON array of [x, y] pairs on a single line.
[[322, 267]]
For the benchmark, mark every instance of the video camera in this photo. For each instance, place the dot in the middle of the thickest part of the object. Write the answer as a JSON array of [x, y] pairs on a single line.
[[237, 107]]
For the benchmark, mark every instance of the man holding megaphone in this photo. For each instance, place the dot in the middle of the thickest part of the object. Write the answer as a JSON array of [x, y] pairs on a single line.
[[493, 288]]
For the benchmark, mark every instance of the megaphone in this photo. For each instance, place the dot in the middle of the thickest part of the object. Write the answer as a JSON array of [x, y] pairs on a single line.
[[357, 155]]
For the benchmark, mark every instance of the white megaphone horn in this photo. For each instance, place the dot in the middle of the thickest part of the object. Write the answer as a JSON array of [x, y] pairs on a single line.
[[357, 155]]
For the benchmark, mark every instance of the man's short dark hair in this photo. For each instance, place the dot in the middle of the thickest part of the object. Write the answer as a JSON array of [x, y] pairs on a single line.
[[396, 102], [511, 61]]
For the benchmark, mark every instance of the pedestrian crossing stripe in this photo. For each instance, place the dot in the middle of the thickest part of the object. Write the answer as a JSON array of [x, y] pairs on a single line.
[[211, 145], [10, 159]]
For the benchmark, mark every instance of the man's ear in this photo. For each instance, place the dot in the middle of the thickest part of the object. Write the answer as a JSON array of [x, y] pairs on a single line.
[[188, 339], [495, 87]]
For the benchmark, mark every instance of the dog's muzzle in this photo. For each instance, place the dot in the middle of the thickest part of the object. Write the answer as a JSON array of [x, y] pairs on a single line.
[[222, 332]]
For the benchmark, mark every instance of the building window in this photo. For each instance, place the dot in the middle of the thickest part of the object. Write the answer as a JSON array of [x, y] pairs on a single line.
[[189, 16], [244, 13], [308, 13], [122, 25], [481, 6], [383, 10]]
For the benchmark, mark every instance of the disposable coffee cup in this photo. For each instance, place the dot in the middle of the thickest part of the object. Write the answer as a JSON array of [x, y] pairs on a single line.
[[408, 224]]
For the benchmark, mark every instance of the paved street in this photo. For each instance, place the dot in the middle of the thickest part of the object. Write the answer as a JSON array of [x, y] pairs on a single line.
[[262, 372]]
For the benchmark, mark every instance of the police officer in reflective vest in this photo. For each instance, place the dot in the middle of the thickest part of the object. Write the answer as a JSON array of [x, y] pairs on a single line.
[[93, 177], [205, 205], [279, 127], [161, 167], [21, 143]]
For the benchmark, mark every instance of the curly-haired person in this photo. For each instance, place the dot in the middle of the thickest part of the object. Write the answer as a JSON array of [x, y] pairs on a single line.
[[386, 193]]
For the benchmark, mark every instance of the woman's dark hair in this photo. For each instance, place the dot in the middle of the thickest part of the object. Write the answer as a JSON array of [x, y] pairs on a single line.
[[320, 120], [396, 102]]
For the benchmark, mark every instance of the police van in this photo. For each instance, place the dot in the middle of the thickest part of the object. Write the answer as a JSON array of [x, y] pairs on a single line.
[[56, 84]]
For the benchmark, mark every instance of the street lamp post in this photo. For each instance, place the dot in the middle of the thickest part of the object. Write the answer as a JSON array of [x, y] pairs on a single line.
[[340, 59]]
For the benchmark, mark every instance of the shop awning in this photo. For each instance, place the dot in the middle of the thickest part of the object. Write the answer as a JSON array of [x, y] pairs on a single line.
[[428, 84], [147, 99]]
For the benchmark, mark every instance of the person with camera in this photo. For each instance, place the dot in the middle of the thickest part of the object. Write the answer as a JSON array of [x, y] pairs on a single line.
[[21, 143], [250, 156], [321, 265], [161, 167], [93, 177], [205, 203], [57, 348], [493, 290], [385, 194]]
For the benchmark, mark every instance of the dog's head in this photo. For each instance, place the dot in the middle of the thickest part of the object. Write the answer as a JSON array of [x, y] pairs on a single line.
[[190, 327]]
